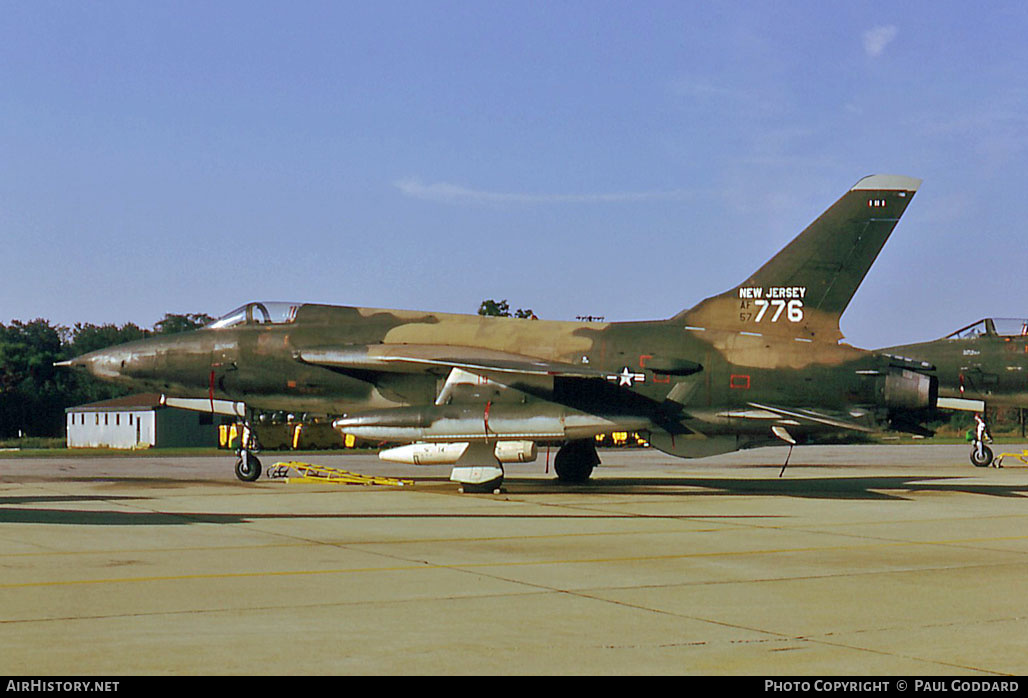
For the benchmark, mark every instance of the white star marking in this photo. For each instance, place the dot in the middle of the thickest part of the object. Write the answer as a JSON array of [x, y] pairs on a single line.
[[626, 377]]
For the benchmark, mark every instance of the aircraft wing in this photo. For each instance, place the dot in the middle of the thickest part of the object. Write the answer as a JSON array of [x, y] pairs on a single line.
[[408, 358]]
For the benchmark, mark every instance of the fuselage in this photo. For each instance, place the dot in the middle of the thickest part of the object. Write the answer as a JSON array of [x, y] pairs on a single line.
[[644, 365]]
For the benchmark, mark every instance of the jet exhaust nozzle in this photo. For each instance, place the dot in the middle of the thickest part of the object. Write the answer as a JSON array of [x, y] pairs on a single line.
[[910, 390]]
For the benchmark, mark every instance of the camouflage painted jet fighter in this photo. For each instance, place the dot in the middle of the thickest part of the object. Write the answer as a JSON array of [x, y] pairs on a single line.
[[759, 364], [983, 363]]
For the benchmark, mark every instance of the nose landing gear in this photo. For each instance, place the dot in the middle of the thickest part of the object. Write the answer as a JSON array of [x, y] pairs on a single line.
[[248, 465], [981, 455]]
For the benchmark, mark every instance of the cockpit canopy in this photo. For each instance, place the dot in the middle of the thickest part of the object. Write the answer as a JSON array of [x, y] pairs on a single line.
[[257, 313], [995, 327]]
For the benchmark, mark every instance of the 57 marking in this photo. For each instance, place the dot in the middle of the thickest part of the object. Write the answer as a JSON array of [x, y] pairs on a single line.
[[793, 309]]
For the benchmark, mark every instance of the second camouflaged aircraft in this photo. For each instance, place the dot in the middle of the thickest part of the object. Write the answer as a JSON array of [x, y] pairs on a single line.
[[758, 364], [982, 364]]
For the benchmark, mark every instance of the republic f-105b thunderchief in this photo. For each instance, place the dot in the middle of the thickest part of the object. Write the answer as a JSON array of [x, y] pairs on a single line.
[[759, 364]]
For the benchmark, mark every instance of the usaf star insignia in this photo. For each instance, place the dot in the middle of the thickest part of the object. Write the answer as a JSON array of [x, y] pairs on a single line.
[[626, 377]]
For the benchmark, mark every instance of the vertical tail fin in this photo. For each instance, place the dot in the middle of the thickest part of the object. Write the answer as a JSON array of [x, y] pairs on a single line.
[[805, 288]]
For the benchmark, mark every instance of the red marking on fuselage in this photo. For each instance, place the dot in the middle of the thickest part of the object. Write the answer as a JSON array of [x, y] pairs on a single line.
[[739, 382]]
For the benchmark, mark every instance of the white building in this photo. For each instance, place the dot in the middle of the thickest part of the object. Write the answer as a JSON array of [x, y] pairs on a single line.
[[138, 421]]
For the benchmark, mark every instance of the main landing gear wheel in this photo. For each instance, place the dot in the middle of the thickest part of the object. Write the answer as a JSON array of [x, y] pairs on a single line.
[[248, 467], [575, 461], [981, 458]]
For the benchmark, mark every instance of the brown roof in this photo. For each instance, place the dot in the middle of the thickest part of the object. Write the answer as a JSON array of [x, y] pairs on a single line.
[[140, 401]]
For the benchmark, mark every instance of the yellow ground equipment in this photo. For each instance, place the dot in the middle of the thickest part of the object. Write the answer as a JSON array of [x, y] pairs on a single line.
[[621, 439], [299, 435], [323, 474], [273, 437], [1022, 456]]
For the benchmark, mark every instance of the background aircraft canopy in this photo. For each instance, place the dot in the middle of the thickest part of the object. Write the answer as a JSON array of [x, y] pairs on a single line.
[[1000, 326]]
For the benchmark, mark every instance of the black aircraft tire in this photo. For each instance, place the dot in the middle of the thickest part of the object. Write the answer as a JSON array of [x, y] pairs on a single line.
[[248, 468], [985, 461], [575, 461]]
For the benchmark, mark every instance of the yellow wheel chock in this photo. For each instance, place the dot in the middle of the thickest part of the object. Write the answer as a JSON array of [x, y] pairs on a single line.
[[1022, 456], [323, 474]]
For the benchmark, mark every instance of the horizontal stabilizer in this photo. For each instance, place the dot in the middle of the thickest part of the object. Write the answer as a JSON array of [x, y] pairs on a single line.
[[803, 417]]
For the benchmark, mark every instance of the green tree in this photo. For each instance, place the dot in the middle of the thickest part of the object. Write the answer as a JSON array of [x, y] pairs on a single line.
[[88, 337], [173, 323], [502, 309], [494, 308], [31, 391]]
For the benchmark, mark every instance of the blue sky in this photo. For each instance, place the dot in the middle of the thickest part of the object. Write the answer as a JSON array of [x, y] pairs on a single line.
[[606, 158]]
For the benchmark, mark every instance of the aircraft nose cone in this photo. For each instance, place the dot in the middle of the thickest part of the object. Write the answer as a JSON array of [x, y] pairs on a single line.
[[114, 363], [86, 362], [102, 364]]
